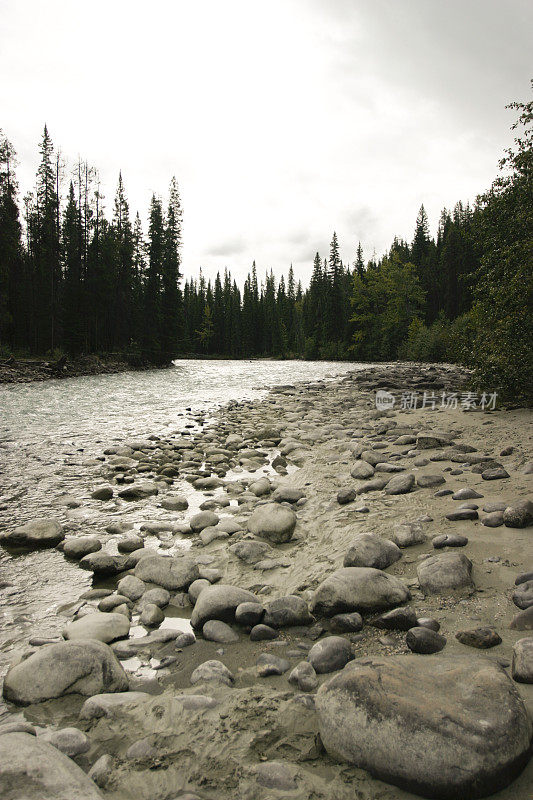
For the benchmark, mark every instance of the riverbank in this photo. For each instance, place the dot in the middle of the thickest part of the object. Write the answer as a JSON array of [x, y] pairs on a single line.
[[271, 498], [27, 370]]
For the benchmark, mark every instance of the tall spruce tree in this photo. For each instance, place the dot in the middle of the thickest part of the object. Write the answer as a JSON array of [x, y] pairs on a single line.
[[171, 299]]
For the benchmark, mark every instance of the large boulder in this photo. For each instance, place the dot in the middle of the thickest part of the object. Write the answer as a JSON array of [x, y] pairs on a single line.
[[73, 667], [171, 573], [104, 627], [32, 769], [440, 727], [219, 602], [358, 589], [444, 573], [273, 522], [35, 534], [370, 550]]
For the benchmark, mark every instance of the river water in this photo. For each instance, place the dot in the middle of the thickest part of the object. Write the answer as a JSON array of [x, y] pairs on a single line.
[[51, 434]]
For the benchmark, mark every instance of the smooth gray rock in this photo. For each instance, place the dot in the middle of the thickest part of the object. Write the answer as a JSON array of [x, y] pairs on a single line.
[[287, 494], [131, 587], [493, 520], [104, 627], [284, 612], [216, 631], [304, 677], [250, 552], [102, 770], [269, 664], [273, 522], [449, 540], [346, 623], [113, 601], [523, 595], [219, 602], [399, 619], [445, 572], [430, 441], [151, 615], [79, 546], [130, 544], [400, 484], [140, 490], [260, 487], [410, 721], [176, 502], [429, 481], [70, 741], [74, 667], [462, 514], [466, 494], [174, 574], [32, 769], [105, 564], [362, 471], [102, 493], [185, 639], [523, 621], [38, 533], [424, 640], [212, 670], [522, 664], [249, 613], [370, 550], [261, 633], [358, 589], [346, 495], [196, 587], [330, 654], [494, 474], [407, 534], [204, 519], [160, 597]]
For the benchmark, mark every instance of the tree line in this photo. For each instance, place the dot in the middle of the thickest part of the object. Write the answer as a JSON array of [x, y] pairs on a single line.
[[71, 279]]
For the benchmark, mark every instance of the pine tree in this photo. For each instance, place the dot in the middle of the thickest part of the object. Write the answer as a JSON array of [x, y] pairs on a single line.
[[13, 288], [151, 337], [123, 270], [73, 289], [171, 299], [46, 250]]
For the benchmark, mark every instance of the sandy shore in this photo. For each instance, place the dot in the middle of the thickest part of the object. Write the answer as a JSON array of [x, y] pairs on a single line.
[[259, 738]]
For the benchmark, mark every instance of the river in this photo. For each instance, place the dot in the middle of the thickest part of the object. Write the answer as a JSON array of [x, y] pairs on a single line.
[[51, 434]]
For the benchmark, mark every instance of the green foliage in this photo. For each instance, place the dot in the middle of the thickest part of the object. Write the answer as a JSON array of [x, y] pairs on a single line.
[[385, 301]]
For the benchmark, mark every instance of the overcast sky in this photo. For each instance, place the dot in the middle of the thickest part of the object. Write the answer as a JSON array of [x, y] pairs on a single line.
[[283, 120]]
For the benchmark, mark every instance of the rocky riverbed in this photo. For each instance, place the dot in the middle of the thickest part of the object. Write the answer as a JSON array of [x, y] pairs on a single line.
[[304, 597]]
